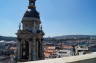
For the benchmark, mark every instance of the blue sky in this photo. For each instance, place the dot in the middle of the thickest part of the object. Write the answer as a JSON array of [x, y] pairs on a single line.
[[59, 17]]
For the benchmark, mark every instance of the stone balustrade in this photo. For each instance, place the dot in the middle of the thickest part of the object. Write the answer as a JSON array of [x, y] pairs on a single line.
[[88, 58]]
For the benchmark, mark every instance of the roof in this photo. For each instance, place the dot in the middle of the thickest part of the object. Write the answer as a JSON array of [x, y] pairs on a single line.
[[32, 13], [67, 46]]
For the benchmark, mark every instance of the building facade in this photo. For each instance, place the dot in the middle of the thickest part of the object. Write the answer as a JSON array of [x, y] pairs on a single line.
[[30, 37]]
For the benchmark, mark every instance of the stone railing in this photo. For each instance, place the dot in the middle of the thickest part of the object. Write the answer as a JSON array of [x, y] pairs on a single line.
[[88, 58]]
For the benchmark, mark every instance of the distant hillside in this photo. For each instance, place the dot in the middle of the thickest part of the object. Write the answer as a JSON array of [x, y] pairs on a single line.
[[76, 37], [57, 37], [7, 38]]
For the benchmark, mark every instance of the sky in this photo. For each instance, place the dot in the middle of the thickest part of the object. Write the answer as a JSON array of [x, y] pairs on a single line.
[[59, 17]]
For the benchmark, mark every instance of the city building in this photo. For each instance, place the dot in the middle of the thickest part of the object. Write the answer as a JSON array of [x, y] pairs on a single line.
[[81, 50], [49, 50], [58, 51], [64, 53], [92, 48]]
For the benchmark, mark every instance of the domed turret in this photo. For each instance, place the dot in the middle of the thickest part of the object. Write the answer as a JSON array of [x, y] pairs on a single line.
[[32, 13], [30, 36]]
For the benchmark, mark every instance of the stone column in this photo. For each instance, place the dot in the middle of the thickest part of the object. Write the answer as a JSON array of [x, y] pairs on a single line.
[[37, 49], [21, 52], [34, 49], [18, 50], [42, 49], [30, 50]]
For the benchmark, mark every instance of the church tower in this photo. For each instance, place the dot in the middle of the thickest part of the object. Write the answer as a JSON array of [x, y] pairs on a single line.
[[30, 37]]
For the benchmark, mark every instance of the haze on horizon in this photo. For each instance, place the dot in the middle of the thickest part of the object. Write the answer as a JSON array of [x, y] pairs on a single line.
[[63, 17]]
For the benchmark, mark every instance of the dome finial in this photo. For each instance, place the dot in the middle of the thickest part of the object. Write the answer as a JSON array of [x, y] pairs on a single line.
[[31, 4]]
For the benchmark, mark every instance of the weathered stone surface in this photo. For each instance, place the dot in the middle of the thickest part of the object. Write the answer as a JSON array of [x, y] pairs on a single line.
[[88, 58]]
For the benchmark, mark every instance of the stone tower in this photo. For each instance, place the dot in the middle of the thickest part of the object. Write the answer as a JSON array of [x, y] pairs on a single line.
[[30, 36]]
